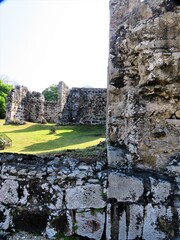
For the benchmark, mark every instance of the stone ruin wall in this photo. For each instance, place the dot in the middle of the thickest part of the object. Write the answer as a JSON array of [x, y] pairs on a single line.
[[24, 105], [74, 106], [84, 106], [135, 193], [51, 111], [63, 93], [17, 107], [143, 90], [143, 124], [48, 197]]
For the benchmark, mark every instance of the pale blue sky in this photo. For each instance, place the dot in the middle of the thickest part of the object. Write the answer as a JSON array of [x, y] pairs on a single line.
[[43, 42]]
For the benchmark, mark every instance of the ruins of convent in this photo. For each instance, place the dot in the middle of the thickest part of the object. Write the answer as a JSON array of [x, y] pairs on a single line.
[[74, 106], [135, 194]]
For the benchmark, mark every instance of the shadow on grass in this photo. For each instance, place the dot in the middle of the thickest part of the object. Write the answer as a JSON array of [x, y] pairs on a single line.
[[30, 128], [65, 140]]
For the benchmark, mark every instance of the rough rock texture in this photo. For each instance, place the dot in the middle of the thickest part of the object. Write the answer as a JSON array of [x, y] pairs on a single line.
[[63, 93], [142, 205], [16, 102], [143, 88], [143, 126], [50, 111], [51, 196], [24, 106], [35, 107], [56, 196], [84, 106]]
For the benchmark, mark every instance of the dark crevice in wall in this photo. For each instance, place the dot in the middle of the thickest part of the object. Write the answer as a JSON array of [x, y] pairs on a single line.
[[117, 82]]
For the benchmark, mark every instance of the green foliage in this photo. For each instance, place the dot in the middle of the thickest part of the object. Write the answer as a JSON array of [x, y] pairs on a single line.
[[4, 90], [75, 227], [96, 210], [51, 93]]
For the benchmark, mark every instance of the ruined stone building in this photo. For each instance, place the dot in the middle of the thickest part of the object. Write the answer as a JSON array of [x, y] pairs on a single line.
[[135, 194], [82, 105], [74, 106]]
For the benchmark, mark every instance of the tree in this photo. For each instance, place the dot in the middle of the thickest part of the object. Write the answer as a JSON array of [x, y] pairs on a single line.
[[4, 90], [51, 93]]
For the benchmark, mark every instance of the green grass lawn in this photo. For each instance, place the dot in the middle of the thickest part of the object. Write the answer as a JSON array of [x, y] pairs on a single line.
[[35, 138]]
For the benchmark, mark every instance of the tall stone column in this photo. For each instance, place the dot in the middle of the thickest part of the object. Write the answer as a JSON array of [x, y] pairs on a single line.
[[143, 120], [63, 93], [16, 104], [143, 88]]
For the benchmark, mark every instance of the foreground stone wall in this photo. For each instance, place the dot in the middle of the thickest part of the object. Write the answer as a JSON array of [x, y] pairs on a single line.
[[51, 197], [48, 197], [143, 120]]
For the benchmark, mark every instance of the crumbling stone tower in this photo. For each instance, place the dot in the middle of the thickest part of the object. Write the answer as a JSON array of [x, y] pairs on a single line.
[[143, 89], [143, 120]]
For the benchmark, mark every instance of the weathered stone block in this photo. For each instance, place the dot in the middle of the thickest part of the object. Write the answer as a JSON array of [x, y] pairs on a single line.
[[8, 192], [25, 236], [90, 223], [158, 223], [62, 223], [5, 217], [160, 190], [136, 218], [123, 226], [88, 196], [116, 157], [143, 85], [124, 222], [56, 199], [108, 221], [124, 188]]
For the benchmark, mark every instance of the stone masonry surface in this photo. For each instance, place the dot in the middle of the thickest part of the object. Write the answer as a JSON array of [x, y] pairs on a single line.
[[50, 196], [84, 106], [143, 124], [143, 86]]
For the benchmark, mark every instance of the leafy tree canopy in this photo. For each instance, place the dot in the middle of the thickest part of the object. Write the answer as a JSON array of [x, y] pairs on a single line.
[[51, 93], [4, 90]]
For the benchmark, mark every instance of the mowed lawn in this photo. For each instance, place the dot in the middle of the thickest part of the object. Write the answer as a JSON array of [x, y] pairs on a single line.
[[36, 138]]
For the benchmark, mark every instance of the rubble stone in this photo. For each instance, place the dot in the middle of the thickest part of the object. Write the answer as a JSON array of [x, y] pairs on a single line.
[[87, 196], [90, 223]]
